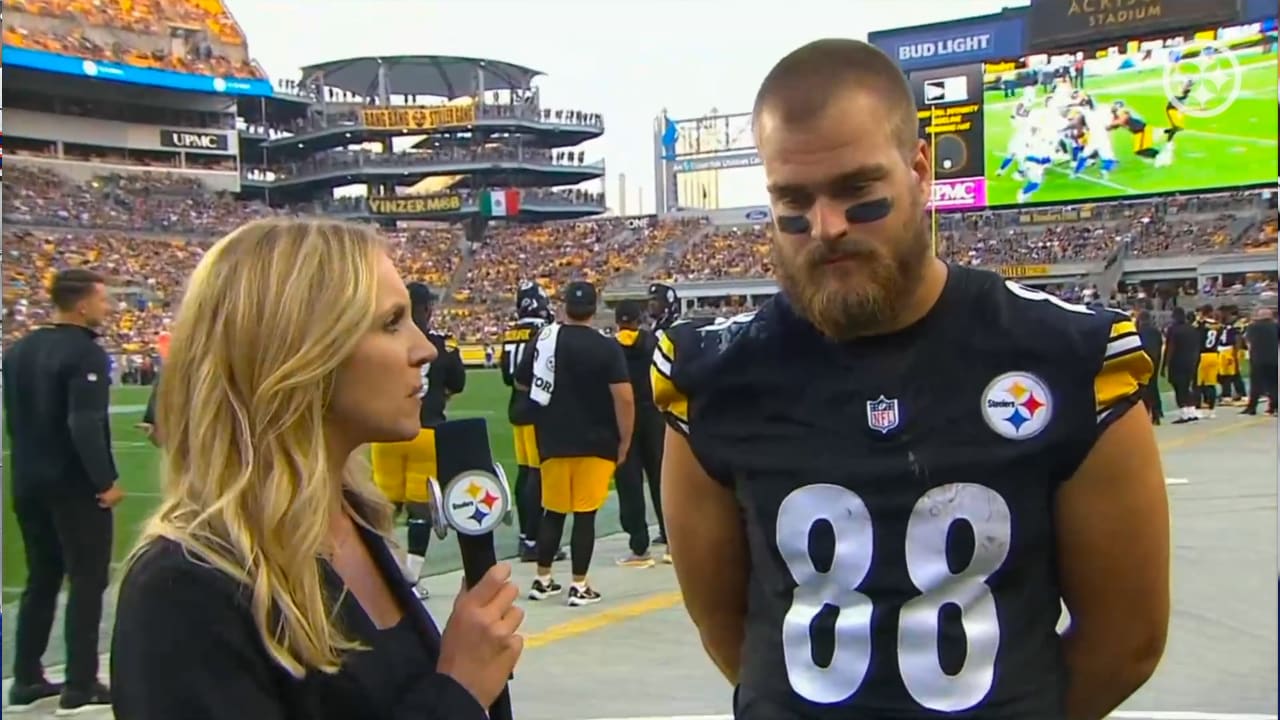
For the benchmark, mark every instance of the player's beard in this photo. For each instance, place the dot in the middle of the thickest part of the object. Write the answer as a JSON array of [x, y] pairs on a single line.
[[841, 310]]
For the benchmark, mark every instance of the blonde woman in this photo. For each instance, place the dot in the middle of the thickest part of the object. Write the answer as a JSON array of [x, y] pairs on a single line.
[[263, 586]]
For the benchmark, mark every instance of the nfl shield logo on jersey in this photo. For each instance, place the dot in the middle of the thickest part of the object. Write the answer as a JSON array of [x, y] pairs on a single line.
[[882, 414]]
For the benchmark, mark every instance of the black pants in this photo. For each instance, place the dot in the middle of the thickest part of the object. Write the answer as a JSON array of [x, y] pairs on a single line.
[[1151, 398], [69, 536], [1262, 383], [644, 460], [1182, 380]]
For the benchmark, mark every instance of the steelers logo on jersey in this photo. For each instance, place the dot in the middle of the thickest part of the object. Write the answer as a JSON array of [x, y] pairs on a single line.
[[1017, 405]]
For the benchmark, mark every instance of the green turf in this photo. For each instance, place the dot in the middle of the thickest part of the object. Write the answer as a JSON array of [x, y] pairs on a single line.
[[485, 397], [1237, 147], [136, 461]]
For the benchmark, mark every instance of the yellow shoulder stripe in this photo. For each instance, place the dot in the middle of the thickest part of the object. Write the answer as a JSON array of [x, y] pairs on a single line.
[[1125, 366], [666, 395]]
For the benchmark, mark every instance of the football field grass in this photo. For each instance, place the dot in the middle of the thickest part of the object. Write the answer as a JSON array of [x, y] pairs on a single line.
[[1236, 147], [136, 461]]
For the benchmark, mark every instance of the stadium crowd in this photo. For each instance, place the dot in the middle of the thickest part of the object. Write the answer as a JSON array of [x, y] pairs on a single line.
[[133, 32], [147, 231], [1179, 226]]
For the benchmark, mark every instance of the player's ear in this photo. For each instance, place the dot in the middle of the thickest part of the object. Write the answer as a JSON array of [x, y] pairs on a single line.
[[922, 168]]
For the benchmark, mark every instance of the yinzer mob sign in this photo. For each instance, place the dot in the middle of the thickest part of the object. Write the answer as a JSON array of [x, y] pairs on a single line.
[[416, 206], [1060, 24]]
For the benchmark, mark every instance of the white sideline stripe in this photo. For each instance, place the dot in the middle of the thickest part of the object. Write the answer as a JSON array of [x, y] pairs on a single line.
[[1176, 481]]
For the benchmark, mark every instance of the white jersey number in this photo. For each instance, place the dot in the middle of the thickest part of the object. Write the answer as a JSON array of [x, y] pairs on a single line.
[[918, 659], [514, 353]]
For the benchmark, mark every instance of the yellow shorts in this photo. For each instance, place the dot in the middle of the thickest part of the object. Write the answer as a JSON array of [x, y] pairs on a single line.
[[577, 484], [1143, 140], [1228, 363], [401, 469], [526, 446], [1207, 372]]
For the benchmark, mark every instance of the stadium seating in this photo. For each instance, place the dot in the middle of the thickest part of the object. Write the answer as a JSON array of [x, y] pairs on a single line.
[[133, 32], [147, 231], [1168, 227]]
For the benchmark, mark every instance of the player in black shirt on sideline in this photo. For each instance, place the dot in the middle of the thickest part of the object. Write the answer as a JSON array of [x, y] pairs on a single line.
[[578, 379], [401, 469], [1209, 365], [891, 439], [533, 311], [56, 395], [644, 462], [1181, 363]]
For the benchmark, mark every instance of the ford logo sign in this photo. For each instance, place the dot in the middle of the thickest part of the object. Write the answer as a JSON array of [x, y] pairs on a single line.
[[754, 215]]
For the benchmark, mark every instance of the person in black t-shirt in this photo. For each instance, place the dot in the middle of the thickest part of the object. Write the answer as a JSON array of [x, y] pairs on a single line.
[[1181, 361], [645, 459], [1262, 337], [584, 423], [56, 392]]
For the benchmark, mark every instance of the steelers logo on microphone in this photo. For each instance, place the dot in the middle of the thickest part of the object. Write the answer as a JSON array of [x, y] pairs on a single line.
[[475, 502]]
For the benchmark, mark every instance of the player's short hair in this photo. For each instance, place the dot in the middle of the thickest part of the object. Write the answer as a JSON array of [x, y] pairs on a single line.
[[72, 285], [803, 83]]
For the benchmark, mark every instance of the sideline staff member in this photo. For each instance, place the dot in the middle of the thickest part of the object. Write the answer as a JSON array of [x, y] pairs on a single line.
[[400, 470], [644, 462], [579, 379], [263, 587], [56, 392]]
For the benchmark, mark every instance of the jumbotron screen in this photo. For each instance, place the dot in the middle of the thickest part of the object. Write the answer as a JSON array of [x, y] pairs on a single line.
[[1190, 112]]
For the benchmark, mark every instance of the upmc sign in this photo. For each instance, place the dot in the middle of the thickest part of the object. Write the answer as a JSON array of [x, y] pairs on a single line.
[[192, 140], [959, 194], [953, 44]]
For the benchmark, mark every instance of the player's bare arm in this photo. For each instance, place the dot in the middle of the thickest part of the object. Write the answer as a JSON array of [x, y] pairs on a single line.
[[624, 410], [710, 552], [1112, 521]]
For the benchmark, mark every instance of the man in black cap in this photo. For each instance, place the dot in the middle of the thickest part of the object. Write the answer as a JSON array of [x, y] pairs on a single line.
[[401, 469], [56, 396], [584, 417], [645, 458]]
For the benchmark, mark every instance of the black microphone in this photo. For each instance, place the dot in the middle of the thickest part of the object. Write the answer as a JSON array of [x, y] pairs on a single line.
[[475, 499]]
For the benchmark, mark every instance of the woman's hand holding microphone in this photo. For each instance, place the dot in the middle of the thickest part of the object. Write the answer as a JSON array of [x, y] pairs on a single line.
[[479, 646]]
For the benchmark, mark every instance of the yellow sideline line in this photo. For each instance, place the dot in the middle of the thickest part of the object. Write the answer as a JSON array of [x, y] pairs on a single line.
[[672, 598]]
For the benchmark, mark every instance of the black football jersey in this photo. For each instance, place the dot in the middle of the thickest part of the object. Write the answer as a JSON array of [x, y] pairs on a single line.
[[441, 378], [515, 341], [897, 496], [694, 341]]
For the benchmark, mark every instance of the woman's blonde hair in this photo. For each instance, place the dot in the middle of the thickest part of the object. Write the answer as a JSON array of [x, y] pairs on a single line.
[[269, 314]]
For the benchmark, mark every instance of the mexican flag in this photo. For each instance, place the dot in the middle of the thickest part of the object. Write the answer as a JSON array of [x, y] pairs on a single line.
[[500, 203]]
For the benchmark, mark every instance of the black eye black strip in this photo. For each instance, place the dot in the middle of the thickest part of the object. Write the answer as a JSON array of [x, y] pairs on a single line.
[[856, 214]]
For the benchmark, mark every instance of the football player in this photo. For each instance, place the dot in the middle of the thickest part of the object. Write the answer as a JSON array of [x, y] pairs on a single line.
[[533, 310], [1230, 352], [1020, 120], [822, 456], [1208, 370], [1097, 125], [1173, 111], [1122, 116], [401, 469]]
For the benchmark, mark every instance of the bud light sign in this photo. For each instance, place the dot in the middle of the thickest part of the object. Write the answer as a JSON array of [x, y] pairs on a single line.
[[959, 194]]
